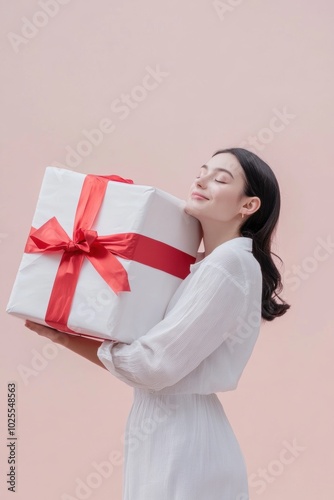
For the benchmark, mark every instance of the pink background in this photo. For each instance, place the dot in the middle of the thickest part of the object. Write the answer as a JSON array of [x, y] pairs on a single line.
[[228, 72]]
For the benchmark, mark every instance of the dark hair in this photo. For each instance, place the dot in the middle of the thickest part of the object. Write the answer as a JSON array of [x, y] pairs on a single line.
[[260, 181]]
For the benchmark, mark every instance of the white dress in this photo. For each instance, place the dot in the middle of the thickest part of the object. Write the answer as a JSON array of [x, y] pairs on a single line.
[[179, 444]]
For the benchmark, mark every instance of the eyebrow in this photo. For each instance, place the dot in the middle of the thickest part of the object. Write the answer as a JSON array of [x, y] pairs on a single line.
[[219, 170]]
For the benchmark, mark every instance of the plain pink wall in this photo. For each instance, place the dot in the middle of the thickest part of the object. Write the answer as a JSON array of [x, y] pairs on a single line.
[[228, 71]]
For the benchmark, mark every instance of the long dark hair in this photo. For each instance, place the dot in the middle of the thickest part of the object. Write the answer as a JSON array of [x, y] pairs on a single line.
[[260, 181]]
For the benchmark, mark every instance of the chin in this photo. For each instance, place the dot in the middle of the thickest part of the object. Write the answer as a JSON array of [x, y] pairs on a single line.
[[192, 213], [188, 210]]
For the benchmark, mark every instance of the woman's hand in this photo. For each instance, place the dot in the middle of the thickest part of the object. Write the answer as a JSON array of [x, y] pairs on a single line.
[[83, 346], [46, 331]]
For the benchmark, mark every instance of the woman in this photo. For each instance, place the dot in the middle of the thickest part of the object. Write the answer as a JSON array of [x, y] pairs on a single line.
[[179, 444]]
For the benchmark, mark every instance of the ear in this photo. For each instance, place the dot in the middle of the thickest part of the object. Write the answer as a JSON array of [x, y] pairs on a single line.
[[252, 205]]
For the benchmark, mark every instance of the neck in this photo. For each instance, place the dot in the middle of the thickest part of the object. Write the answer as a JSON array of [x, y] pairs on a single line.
[[212, 239]]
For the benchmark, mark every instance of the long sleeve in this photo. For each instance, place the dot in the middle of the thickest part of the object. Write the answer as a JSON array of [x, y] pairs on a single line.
[[200, 321]]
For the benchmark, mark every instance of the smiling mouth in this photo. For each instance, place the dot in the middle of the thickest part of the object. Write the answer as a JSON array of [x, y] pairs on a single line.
[[199, 196]]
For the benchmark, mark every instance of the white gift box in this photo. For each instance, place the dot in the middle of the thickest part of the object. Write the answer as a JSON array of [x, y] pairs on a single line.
[[96, 310]]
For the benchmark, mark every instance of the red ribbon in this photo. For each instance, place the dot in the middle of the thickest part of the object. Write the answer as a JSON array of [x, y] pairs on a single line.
[[99, 250]]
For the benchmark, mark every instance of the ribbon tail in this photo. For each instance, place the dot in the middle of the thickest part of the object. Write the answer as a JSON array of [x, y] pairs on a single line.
[[111, 270], [63, 289]]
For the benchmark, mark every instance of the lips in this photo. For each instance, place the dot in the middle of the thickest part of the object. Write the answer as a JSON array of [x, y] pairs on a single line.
[[199, 195]]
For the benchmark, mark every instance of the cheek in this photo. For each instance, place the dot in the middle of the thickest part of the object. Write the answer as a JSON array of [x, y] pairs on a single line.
[[191, 188], [226, 199]]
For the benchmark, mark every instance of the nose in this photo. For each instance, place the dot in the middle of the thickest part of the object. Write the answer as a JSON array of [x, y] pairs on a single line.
[[200, 181]]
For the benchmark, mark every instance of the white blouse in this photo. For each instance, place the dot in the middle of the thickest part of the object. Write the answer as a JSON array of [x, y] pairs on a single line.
[[208, 332]]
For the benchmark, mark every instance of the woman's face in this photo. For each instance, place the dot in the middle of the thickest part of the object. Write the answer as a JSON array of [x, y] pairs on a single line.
[[221, 182]]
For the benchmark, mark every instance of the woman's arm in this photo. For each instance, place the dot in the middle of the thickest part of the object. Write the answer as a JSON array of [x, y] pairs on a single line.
[[205, 316], [83, 346]]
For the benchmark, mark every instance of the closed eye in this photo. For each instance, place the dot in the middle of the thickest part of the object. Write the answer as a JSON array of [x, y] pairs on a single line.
[[220, 182]]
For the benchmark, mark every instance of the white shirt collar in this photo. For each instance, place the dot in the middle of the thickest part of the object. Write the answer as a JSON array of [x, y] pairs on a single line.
[[242, 242]]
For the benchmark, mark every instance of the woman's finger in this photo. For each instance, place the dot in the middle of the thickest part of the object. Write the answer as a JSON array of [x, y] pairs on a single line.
[[36, 326], [45, 331]]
